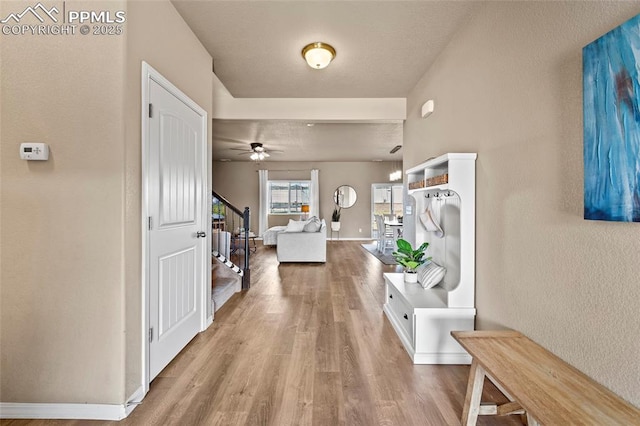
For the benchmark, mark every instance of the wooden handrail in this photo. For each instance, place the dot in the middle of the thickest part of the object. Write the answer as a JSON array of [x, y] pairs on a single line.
[[228, 203]]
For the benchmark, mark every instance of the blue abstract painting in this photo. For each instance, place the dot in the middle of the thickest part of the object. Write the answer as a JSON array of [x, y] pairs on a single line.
[[612, 125]]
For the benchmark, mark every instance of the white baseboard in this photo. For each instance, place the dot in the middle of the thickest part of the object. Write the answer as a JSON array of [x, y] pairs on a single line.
[[134, 400], [25, 410], [19, 410], [209, 322]]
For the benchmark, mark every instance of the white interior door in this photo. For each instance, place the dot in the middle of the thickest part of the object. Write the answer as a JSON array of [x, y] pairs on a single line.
[[177, 243]]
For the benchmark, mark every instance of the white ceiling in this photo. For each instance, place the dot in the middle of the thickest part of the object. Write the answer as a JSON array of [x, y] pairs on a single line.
[[383, 49], [300, 142]]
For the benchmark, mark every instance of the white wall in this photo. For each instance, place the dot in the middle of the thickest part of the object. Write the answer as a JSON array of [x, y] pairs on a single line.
[[509, 86]]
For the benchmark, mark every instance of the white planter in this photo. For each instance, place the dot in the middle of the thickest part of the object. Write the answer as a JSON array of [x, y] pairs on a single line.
[[410, 277], [335, 226]]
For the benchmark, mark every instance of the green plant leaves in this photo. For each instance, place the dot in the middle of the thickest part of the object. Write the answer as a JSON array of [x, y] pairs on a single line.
[[335, 217], [408, 257], [403, 246]]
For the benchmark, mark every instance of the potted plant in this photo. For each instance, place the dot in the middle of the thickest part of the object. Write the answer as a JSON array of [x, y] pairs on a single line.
[[410, 259], [335, 219]]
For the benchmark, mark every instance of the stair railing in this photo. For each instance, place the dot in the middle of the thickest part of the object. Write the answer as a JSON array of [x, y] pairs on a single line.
[[231, 235]]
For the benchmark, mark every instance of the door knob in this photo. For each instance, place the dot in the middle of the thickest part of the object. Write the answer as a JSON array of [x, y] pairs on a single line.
[[201, 234]]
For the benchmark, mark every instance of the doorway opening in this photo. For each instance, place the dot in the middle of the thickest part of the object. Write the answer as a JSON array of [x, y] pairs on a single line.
[[386, 200]]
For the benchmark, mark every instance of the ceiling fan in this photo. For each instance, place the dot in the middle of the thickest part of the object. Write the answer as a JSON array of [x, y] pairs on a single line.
[[257, 152]]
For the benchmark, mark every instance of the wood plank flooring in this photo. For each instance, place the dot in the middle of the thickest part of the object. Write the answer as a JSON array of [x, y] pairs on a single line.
[[307, 345]]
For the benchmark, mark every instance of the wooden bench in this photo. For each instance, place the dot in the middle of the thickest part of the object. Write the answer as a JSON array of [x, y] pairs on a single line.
[[539, 384]]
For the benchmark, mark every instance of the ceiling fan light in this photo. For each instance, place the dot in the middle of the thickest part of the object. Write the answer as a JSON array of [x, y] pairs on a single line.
[[257, 146], [318, 55], [254, 156]]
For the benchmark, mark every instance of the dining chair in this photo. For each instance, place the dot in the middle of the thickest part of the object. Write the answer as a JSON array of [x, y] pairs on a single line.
[[385, 234]]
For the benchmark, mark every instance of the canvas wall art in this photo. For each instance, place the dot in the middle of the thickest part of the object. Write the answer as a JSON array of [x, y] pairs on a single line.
[[612, 125]]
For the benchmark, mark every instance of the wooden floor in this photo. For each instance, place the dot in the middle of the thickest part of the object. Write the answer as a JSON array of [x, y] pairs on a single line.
[[307, 345]]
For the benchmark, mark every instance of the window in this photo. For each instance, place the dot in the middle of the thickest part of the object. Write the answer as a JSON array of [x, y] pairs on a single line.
[[287, 197]]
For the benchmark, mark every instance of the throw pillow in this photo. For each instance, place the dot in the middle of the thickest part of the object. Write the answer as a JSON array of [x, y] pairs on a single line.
[[430, 274], [313, 225], [295, 225]]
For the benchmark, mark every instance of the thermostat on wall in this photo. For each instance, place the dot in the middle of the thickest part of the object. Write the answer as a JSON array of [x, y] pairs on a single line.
[[34, 151]]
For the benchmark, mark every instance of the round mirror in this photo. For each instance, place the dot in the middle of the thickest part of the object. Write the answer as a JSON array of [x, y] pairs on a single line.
[[345, 196]]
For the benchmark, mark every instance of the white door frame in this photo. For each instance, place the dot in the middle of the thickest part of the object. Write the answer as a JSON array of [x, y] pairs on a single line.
[[149, 73]]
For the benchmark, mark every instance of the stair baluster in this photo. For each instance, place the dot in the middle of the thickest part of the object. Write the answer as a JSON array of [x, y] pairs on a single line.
[[228, 218]]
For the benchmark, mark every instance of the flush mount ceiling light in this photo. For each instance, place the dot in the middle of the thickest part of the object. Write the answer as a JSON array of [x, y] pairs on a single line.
[[318, 55]]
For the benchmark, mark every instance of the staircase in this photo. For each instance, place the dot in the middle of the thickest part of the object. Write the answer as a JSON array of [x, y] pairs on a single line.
[[226, 280], [230, 272]]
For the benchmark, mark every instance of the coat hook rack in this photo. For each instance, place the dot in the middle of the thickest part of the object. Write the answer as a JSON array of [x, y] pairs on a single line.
[[439, 195]]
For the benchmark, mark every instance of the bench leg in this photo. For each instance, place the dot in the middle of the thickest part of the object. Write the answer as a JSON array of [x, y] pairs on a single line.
[[471, 407]]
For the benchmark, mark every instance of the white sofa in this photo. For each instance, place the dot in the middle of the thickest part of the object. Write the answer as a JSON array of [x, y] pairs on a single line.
[[303, 246], [270, 236]]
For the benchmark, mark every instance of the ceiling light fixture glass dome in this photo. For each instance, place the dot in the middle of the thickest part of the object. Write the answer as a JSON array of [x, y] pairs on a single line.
[[318, 55], [258, 156]]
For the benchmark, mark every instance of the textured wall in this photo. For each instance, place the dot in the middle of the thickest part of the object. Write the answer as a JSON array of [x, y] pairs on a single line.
[[61, 242], [509, 86], [238, 182], [71, 240]]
